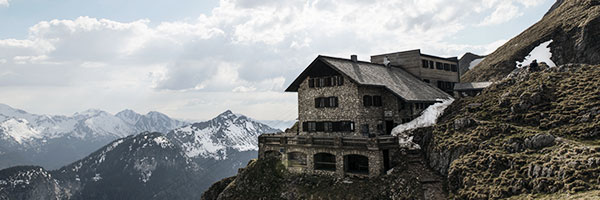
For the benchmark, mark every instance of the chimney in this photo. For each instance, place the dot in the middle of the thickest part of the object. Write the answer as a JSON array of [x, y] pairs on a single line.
[[354, 58]]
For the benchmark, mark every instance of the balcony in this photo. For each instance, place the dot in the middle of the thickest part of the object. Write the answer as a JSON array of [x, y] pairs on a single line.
[[376, 143]]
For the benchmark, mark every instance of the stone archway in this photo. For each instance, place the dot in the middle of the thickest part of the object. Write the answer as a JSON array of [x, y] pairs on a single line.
[[296, 159], [356, 164], [324, 161]]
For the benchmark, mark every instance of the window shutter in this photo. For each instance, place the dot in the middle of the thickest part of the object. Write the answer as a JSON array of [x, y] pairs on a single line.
[[335, 126], [367, 100], [377, 101], [320, 127], [317, 101], [327, 102], [311, 83], [336, 101]]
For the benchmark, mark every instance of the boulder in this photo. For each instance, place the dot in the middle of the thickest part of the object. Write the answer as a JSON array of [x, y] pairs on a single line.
[[539, 141]]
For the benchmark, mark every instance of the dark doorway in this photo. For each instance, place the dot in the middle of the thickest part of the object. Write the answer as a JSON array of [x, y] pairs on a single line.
[[356, 164], [386, 159], [389, 125], [324, 161]]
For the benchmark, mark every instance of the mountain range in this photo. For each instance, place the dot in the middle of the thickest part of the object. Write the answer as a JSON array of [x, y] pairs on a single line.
[[180, 164], [52, 141]]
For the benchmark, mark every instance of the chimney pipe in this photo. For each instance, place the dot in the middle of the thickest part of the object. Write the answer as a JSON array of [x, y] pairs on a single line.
[[354, 58]]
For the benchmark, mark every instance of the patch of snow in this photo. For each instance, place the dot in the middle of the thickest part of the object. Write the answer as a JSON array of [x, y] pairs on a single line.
[[428, 118], [97, 177], [20, 130], [162, 141], [145, 166], [475, 63], [540, 53]]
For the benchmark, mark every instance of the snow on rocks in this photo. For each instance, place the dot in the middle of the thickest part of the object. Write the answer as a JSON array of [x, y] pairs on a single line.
[[540, 53], [475, 63], [428, 118]]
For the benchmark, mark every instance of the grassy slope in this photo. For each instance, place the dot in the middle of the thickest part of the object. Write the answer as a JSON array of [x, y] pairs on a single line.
[[488, 168]]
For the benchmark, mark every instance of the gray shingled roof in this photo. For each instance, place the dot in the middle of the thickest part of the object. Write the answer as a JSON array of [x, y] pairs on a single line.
[[396, 80], [471, 86]]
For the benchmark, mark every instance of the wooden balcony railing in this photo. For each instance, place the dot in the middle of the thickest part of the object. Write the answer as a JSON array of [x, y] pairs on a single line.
[[379, 142]]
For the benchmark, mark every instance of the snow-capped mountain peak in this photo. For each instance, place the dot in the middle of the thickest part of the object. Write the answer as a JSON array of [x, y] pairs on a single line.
[[212, 139]]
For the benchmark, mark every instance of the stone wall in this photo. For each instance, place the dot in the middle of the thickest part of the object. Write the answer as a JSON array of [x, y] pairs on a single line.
[[347, 110], [376, 160]]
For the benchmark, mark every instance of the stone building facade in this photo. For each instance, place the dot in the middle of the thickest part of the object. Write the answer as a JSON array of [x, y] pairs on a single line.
[[346, 112]]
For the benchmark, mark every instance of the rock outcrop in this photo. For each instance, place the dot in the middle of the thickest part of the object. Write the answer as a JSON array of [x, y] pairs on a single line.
[[572, 25]]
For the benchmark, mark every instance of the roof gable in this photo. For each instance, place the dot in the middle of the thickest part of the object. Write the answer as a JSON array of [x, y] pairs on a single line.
[[396, 80]]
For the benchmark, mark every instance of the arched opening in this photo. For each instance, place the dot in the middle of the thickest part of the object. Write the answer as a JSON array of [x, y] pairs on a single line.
[[324, 161], [272, 154], [356, 164], [296, 159]]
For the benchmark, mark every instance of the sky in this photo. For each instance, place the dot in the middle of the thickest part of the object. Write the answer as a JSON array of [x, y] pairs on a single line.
[[195, 59]]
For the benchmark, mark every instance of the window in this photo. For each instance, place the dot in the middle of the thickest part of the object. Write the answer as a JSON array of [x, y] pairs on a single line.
[[340, 126], [309, 126], [367, 100], [431, 64], [453, 68], [321, 83], [319, 102], [377, 101], [311, 83], [340, 80], [320, 126], [446, 66], [324, 161], [327, 81], [401, 104], [333, 101], [426, 80], [346, 126], [326, 102], [439, 65], [328, 126], [425, 64]]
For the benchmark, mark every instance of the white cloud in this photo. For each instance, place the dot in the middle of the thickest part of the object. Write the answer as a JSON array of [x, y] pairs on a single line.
[[241, 49], [4, 3]]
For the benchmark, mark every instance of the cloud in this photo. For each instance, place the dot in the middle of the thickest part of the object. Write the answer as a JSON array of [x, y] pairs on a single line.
[[241, 49], [4, 3]]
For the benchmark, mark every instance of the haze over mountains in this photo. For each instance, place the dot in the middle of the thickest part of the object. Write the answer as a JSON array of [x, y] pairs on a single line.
[[52, 141], [180, 164]]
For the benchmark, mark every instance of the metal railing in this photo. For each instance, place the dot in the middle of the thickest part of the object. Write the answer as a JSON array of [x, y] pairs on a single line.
[[379, 142]]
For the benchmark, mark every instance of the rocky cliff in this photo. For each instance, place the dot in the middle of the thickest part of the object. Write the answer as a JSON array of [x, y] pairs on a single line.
[[530, 134], [572, 25]]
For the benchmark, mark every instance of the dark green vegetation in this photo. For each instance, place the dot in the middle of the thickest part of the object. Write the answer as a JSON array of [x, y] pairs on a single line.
[[574, 28], [536, 133]]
